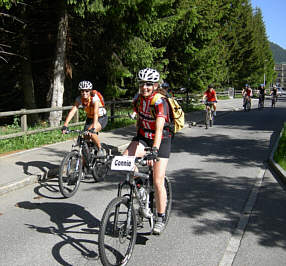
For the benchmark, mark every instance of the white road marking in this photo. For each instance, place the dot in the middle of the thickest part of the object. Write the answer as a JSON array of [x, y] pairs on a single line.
[[235, 240]]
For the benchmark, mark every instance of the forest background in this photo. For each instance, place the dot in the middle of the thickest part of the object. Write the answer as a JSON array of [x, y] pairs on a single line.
[[47, 47]]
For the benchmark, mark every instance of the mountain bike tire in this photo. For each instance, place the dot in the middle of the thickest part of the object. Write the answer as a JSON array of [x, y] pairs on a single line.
[[207, 122], [260, 104], [248, 106], [70, 173], [100, 169], [99, 172], [113, 233], [273, 103], [168, 187]]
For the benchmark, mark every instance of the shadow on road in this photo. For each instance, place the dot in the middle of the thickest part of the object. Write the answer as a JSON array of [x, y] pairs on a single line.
[[67, 217]]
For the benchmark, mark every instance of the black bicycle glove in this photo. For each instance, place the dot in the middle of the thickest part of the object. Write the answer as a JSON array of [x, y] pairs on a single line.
[[153, 154], [64, 128]]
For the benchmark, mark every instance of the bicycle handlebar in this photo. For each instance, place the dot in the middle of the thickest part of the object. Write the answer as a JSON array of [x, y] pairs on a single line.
[[143, 160]]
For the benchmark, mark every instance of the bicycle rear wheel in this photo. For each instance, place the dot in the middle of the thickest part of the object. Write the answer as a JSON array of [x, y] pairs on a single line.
[[117, 233], [101, 167], [70, 174], [168, 188], [99, 171]]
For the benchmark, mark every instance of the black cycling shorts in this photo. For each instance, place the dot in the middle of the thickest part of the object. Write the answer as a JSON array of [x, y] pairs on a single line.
[[165, 146], [102, 120]]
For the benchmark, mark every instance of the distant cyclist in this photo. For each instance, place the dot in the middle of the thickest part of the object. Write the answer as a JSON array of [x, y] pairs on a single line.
[[210, 97], [273, 92], [246, 93], [165, 86], [95, 111], [261, 90]]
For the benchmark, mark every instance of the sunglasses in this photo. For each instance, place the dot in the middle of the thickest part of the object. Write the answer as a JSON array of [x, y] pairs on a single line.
[[147, 84], [84, 91]]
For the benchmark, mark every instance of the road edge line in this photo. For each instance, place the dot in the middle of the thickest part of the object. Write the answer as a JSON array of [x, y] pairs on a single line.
[[237, 235]]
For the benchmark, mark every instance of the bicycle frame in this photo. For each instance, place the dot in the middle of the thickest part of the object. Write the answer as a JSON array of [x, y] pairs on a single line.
[[87, 162]]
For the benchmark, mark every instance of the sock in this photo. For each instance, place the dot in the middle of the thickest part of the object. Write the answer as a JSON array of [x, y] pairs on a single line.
[[161, 216]]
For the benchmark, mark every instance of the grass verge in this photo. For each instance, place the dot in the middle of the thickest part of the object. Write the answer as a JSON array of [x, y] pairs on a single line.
[[280, 153], [50, 137]]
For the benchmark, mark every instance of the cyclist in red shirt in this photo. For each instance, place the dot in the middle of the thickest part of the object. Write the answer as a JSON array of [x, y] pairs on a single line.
[[152, 132], [210, 97], [246, 93]]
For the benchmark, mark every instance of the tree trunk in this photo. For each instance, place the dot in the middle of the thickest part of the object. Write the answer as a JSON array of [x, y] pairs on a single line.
[[57, 85], [27, 76]]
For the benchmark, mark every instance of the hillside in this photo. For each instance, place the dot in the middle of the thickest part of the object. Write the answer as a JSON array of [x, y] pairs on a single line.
[[279, 54]]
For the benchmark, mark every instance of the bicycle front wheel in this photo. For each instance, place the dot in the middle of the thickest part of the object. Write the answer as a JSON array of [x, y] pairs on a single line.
[[70, 174], [248, 106], [117, 233], [207, 118]]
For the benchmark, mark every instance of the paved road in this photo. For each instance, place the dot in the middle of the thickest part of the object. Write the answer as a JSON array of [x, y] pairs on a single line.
[[228, 207]]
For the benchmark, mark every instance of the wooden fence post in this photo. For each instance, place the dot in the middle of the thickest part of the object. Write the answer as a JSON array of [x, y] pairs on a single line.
[[24, 121]]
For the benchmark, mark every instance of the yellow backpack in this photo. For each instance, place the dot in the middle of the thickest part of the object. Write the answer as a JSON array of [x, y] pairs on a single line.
[[177, 113]]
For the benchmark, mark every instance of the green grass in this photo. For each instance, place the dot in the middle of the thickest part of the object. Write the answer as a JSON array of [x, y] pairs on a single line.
[[49, 137], [280, 153]]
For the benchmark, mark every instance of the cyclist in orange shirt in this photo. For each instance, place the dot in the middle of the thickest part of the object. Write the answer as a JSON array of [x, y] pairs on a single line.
[[210, 97], [96, 113]]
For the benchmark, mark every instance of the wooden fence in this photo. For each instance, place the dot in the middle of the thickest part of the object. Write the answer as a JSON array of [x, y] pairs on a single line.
[[23, 118], [186, 98]]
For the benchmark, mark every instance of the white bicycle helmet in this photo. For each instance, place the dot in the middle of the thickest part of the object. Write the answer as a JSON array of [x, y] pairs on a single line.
[[149, 74], [85, 85]]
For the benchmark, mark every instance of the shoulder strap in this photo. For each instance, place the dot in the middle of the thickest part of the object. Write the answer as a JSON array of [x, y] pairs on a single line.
[[156, 97], [99, 96]]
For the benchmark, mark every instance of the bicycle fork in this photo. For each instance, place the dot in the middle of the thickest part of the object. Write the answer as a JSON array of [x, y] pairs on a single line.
[[127, 226]]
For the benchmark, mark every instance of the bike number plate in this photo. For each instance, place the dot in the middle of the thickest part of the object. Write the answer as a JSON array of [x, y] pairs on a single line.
[[123, 163]]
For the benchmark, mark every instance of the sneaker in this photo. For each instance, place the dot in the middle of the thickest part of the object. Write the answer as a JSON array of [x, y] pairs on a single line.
[[100, 152], [159, 226], [214, 113]]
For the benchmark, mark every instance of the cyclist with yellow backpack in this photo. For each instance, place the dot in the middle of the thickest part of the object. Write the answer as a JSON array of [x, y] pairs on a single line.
[[93, 104], [152, 132]]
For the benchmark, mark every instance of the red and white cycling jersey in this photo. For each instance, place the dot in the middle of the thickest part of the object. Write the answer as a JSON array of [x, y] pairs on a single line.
[[147, 114], [247, 92]]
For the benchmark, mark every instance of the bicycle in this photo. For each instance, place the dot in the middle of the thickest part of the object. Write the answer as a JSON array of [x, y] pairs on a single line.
[[209, 117], [80, 161], [261, 101], [273, 101], [247, 104], [118, 228]]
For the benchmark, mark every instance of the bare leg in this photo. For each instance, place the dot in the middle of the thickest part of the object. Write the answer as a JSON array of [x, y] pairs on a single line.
[[95, 137], [135, 149], [159, 184]]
